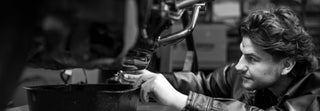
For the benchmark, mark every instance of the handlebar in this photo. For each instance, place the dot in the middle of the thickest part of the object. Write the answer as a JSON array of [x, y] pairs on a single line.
[[177, 36], [187, 3]]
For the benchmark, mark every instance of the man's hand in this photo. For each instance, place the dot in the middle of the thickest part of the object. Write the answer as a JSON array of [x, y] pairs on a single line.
[[158, 87]]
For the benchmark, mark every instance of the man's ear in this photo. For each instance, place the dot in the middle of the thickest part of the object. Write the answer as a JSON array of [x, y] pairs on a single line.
[[288, 65]]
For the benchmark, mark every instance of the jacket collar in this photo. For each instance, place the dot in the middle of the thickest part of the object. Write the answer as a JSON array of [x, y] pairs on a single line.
[[308, 84]]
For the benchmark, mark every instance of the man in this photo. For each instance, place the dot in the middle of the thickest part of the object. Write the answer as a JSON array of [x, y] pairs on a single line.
[[275, 72]]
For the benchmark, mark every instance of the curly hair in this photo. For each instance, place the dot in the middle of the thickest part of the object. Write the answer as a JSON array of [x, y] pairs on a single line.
[[280, 33]]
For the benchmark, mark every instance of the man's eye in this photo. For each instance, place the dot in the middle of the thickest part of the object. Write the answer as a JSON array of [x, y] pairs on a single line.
[[251, 59]]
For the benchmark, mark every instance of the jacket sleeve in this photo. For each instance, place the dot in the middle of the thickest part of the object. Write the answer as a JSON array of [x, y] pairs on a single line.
[[208, 92], [199, 102], [214, 84]]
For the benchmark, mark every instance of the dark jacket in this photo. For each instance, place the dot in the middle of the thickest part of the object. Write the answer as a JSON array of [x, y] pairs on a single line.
[[222, 91]]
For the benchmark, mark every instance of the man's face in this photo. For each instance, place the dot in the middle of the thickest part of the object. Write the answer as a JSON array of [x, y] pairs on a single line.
[[257, 68]]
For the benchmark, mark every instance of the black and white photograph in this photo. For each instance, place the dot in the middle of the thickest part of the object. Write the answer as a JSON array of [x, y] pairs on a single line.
[[160, 55]]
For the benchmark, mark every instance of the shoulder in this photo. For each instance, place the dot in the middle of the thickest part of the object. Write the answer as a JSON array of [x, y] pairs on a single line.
[[308, 102], [306, 87], [309, 84], [304, 94]]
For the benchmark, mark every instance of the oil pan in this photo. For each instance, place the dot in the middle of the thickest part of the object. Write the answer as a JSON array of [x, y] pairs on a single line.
[[87, 97]]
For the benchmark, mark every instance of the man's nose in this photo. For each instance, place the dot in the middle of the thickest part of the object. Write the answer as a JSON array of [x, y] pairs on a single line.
[[242, 66]]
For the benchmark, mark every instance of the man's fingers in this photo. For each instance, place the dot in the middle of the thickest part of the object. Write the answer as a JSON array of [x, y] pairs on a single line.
[[134, 71], [131, 77], [142, 76]]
